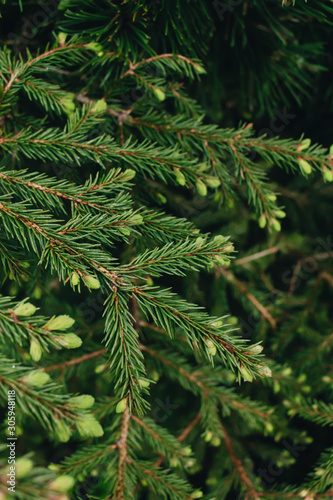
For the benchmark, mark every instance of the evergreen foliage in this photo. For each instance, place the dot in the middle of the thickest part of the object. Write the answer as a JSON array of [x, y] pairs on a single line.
[[166, 255]]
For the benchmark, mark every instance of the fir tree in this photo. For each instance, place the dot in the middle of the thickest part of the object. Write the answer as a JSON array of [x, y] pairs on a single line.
[[165, 249]]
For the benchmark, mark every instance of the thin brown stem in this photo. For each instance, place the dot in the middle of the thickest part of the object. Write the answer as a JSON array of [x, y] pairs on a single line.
[[255, 256], [75, 361], [122, 448]]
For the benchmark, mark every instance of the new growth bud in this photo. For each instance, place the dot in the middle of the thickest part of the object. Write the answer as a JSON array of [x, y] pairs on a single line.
[[100, 106], [144, 383], [201, 187], [129, 174], [264, 371], [23, 466], [121, 406], [69, 340], [159, 94], [74, 279], [62, 431], [262, 221], [305, 166], [62, 322], [25, 309], [62, 483], [36, 378], [36, 350], [180, 178], [88, 426], [246, 374], [91, 282], [211, 347], [84, 401], [327, 174], [256, 349]]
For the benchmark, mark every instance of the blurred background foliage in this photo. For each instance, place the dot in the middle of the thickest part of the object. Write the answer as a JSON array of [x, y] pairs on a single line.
[[267, 64]]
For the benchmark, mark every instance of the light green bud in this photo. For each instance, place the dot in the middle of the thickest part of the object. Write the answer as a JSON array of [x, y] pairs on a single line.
[[62, 322], [256, 349], [208, 436], [269, 427], [211, 347], [84, 401], [25, 309], [262, 221], [149, 281], [305, 166], [96, 47], [129, 174], [276, 387], [100, 106], [91, 282], [62, 431], [221, 260], [36, 350], [62, 483], [272, 197], [229, 248], [219, 239], [199, 242], [121, 406], [187, 451], [69, 340], [22, 467], [327, 175], [212, 351], [197, 494], [144, 383], [162, 198], [37, 293], [264, 371], [201, 187], [180, 178], [280, 214], [68, 105], [36, 378], [137, 219], [246, 374], [276, 225], [88, 426], [75, 278], [213, 182], [100, 368], [174, 462], [62, 38], [216, 441], [199, 69], [305, 144], [155, 376], [232, 320], [159, 93], [217, 323], [53, 467]]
